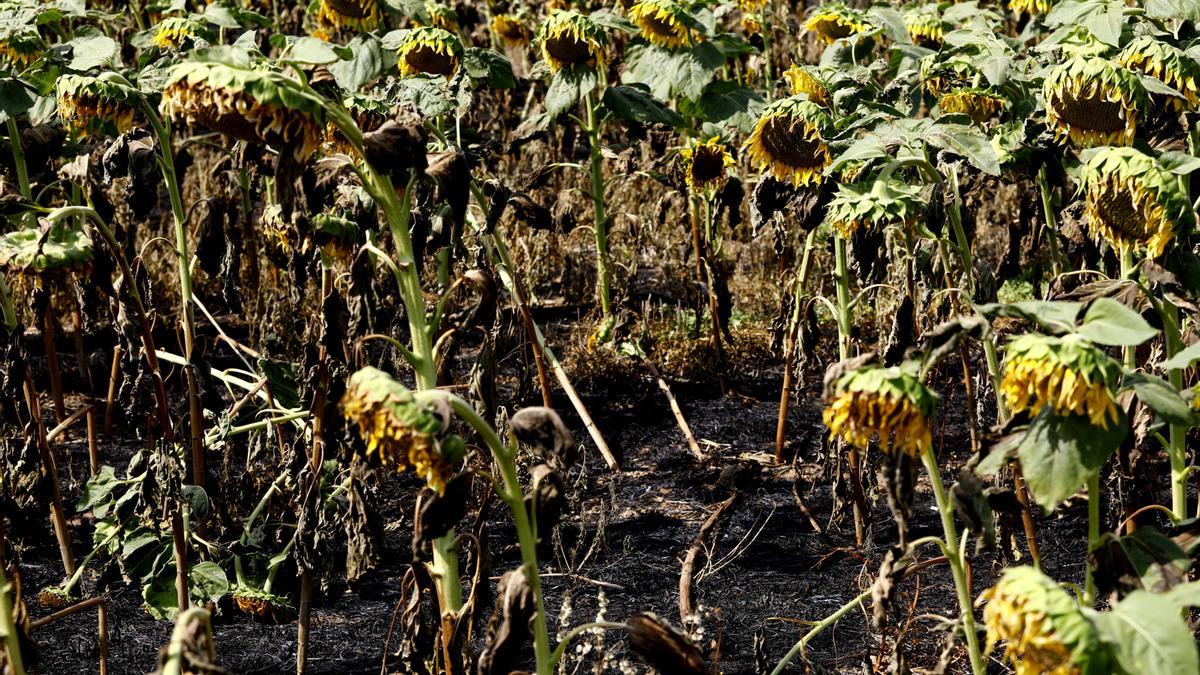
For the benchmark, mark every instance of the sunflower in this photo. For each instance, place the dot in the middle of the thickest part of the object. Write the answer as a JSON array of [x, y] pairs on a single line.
[[352, 15], [1093, 101], [801, 80], [429, 51], [30, 251], [261, 604], [873, 204], [836, 20], [569, 39], [752, 24], [1167, 63], [1043, 629], [442, 16], [664, 23], [174, 32], [399, 429], [705, 165], [978, 104], [1069, 375], [95, 106], [788, 140], [940, 75], [19, 50], [1133, 202], [259, 106], [511, 30], [367, 113], [925, 27], [751, 6], [1031, 6], [885, 403]]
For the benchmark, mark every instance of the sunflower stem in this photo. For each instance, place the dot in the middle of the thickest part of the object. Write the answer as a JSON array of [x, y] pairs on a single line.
[[956, 559], [1089, 583], [600, 225], [8, 627], [819, 628], [1176, 444], [1056, 265], [18, 153], [842, 277]]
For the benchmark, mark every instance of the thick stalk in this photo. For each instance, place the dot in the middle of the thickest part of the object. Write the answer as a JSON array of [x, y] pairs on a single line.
[[1051, 221], [1089, 584], [842, 272], [957, 563], [8, 627], [18, 153], [600, 225], [789, 346], [1176, 443], [819, 628]]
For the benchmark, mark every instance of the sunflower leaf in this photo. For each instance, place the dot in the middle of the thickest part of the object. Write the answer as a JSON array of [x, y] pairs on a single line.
[[1108, 322], [1148, 636], [1058, 453], [567, 86], [366, 63], [1182, 359], [636, 103], [1054, 316], [485, 64], [968, 142], [1185, 10], [1158, 395]]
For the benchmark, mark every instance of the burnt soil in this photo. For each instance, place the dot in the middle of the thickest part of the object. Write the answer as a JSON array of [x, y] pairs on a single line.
[[766, 572]]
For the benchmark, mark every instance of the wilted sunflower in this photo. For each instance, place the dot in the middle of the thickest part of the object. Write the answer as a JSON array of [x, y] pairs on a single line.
[[978, 104], [30, 251], [1031, 6], [705, 165], [836, 20], [788, 140], [925, 27], [1166, 62], [1133, 202], [19, 50], [511, 30], [1093, 101], [801, 80], [1069, 375], [94, 106], [429, 51], [1043, 629], [885, 403], [569, 39], [873, 204], [940, 75], [355, 15], [399, 429], [752, 24], [664, 23], [259, 106], [174, 32], [262, 605], [367, 113], [442, 16]]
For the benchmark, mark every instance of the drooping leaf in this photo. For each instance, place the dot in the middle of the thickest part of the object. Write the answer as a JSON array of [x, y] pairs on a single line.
[[485, 64], [1059, 453], [636, 103], [1158, 395], [1108, 322], [1148, 636]]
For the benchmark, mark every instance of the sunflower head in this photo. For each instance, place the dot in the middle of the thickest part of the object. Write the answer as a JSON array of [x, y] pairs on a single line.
[[441, 16], [940, 75], [751, 6], [752, 23], [20, 49], [873, 204], [1133, 202], [978, 104], [94, 106], [262, 605], [350, 15], [788, 139], [254, 105], [1092, 101], [511, 30], [369, 114], [885, 403], [429, 51], [664, 23], [836, 20], [1043, 629], [176, 31], [1167, 63], [1031, 6], [58, 251], [925, 27], [1068, 375], [804, 80], [569, 40], [706, 165], [399, 429]]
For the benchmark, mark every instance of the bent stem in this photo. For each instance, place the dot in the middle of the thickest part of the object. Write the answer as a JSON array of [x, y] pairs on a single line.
[[955, 558], [819, 628]]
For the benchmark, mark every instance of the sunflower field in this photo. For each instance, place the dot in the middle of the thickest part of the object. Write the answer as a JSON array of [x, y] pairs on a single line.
[[653, 336]]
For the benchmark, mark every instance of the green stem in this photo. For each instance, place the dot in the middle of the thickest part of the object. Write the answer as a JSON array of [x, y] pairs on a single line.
[[8, 627], [18, 153], [1051, 220], [1089, 585], [957, 562], [993, 366], [600, 225], [842, 274], [819, 628], [1176, 446], [1129, 354]]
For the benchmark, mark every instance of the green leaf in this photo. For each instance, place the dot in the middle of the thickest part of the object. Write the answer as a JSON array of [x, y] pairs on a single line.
[[1185, 595], [1053, 316], [485, 64], [283, 377], [567, 88], [1059, 453], [196, 499], [1174, 10], [1108, 322], [309, 50], [15, 99], [1182, 359], [207, 583], [727, 103], [1158, 395], [636, 103], [1145, 560], [98, 489], [364, 66], [967, 141], [673, 73], [1148, 636], [97, 51]]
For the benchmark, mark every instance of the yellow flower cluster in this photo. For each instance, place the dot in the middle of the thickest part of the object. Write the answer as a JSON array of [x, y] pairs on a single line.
[[1031, 6], [87, 115], [801, 81], [661, 24], [790, 146], [836, 22], [569, 39], [977, 105], [429, 51], [1031, 383], [355, 15], [858, 416], [1031, 643]]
